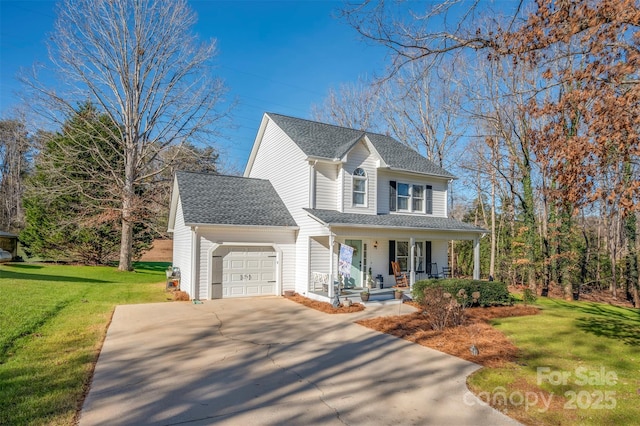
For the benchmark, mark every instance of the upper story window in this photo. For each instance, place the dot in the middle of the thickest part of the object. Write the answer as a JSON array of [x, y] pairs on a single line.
[[359, 182], [408, 197]]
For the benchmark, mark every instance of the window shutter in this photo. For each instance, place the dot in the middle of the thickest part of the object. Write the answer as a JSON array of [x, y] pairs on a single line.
[[428, 200], [427, 251], [392, 196], [392, 254]]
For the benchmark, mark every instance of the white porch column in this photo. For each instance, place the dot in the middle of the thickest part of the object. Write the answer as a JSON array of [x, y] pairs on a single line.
[[331, 242], [476, 258], [412, 261]]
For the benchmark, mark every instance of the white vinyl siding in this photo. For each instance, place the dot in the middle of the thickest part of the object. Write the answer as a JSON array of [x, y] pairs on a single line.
[[439, 189], [281, 161], [182, 248], [326, 186], [359, 157]]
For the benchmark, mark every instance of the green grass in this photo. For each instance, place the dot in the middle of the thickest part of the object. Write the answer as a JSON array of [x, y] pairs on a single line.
[[53, 319], [569, 354]]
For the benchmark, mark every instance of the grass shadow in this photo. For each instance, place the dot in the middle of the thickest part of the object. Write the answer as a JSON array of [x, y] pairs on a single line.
[[611, 328], [24, 266], [151, 266], [44, 277], [600, 309]]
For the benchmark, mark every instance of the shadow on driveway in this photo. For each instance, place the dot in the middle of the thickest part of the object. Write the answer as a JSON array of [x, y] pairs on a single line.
[[270, 361]]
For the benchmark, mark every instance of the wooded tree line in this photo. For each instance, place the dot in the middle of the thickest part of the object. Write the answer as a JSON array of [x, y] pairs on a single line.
[[538, 109], [58, 197]]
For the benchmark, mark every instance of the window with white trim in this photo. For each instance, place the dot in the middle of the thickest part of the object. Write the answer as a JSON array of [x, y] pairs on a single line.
[[419, 256], [417, 193], [402, 255], [407, 197], [359, 183]]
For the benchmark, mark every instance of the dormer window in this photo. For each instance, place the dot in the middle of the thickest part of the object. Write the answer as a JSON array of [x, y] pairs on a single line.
[[359, 182]]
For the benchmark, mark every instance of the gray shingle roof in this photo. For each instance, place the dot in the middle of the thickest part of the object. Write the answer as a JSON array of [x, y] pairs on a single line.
[[322, 140], [335, 218], [230, 200]]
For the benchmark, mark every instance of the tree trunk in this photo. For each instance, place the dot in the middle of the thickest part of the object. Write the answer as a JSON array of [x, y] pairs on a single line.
[[126, 242], [492, 261], [128, 210]]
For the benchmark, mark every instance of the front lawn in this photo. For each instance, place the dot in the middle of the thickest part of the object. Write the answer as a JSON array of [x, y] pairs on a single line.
[[53, 319], [572, 363], [578, 363]]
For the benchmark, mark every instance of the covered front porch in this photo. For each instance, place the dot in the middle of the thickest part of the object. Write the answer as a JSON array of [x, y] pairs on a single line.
[[418, 243], [420, 255]]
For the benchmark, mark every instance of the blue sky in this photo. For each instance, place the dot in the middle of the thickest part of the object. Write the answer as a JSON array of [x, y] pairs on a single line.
[[278, 56]]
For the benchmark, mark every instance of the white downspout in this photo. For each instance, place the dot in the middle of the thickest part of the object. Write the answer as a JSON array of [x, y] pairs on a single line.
[[312, 184], [195, 255], [331, 242]]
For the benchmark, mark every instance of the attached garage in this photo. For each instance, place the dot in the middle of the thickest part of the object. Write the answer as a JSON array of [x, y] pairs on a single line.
[[232, 237], [243, 271]]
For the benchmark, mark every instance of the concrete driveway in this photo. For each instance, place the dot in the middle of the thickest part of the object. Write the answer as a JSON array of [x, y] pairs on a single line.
[[270, 361]]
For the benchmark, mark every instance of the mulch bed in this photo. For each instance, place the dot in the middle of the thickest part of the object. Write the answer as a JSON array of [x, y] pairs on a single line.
[[324, 306], [495, 350]]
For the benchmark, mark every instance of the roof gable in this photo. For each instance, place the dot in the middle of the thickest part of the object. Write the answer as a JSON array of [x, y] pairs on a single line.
[[209, 199], [321, 140]]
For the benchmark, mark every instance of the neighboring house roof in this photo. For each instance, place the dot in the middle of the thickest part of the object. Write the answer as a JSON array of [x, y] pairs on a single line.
[[335, 218], [331, 142], [230, 200], [7, 235]]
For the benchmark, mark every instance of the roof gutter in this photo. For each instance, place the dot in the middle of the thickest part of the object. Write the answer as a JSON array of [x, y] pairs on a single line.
[[233, 225], [396, 169], [406, 228], [312, 159]]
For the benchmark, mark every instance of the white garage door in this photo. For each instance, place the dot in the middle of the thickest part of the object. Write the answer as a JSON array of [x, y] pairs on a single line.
[[249, 271]]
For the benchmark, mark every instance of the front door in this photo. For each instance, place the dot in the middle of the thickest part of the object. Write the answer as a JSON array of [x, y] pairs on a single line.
[[355, 280]]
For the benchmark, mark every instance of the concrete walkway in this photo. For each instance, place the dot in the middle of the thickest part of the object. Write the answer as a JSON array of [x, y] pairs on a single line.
[[270, 361]]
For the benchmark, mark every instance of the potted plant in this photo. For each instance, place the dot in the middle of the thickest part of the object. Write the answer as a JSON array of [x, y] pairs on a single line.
[[365, 295], [398, 293]]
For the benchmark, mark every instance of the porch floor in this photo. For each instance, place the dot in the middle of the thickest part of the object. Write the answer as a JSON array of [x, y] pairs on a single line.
[[375, 295]]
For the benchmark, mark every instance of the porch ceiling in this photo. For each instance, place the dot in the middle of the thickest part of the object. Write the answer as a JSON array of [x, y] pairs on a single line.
[[397, 221]]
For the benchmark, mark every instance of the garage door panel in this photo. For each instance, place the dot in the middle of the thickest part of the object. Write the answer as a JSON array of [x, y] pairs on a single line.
[[236, 291], [237, 264], [248, 271], [253, 290]]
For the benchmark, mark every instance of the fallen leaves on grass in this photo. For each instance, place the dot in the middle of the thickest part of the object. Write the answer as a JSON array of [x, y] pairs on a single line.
[[324, 306], [494, 347]]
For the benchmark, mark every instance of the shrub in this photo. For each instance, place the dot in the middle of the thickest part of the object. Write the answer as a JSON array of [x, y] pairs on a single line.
[[491, 293], [528, 296], [442, 309], [180, 295]]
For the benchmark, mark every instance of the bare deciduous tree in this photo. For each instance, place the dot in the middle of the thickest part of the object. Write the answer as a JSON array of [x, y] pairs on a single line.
[[15, 145], [422, 106], [351, 105], [140, 64]]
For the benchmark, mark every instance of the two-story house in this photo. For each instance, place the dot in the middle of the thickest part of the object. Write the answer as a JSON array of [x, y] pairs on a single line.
[[309, 187]]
